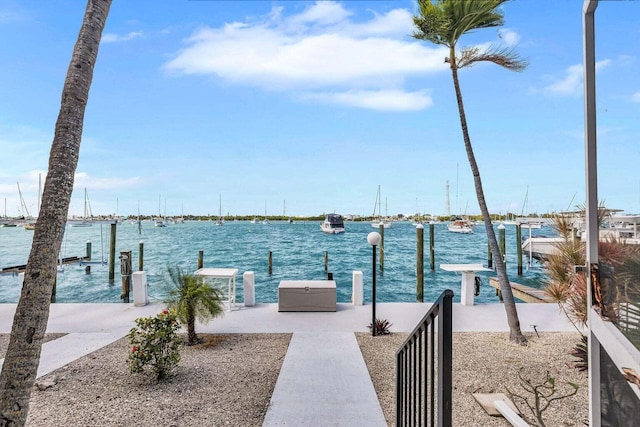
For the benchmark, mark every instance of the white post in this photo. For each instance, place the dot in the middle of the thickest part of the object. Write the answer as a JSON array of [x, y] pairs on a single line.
[[139, 279], [248, 283], [468, 282], [357, 292]]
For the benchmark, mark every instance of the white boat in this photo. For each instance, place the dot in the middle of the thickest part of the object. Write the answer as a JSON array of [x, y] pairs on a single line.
[[332, 224], [460, 226], [378, 220], [220, 220], [159, 222], [541, 247], [86, 220]]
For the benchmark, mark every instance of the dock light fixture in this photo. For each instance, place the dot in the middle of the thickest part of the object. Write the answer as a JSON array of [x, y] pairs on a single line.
[[373, 239]]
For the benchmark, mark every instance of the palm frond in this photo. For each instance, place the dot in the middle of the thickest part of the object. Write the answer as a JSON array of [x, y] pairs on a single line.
[[504, 57]]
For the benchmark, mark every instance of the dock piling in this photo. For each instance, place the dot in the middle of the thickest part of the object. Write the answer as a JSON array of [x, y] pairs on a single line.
[[125, 271], [519, 247], [420, 263], [270, 262], [326, 261], [501, 241], [87, 268], [141, 256], [381, 248], [200, 259], [112, 255], [432, 247]]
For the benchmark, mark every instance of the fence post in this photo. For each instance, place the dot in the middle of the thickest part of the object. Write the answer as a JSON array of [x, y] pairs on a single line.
[[420, 263]]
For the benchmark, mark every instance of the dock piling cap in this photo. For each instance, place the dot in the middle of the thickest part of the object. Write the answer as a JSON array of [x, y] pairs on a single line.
[[464, 268]]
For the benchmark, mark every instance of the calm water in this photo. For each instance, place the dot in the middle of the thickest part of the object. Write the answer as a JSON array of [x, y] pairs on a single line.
[[298, 253]]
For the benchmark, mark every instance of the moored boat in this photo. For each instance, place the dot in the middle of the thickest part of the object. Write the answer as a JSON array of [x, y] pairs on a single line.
[[332, 224], [460, 226]]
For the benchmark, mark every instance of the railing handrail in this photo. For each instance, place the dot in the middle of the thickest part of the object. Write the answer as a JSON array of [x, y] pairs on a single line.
[[416, 377]]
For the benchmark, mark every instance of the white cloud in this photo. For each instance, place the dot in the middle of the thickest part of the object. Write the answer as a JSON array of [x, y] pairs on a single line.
[[635, 97], [383, 100], [84, 180], [320, 51], [112, 38], [509, 37], [572, 83]]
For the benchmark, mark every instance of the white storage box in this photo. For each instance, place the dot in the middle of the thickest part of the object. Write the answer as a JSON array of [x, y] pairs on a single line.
[[307, 295]]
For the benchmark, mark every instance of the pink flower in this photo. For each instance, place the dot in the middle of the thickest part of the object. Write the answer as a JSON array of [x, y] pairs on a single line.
[[165, 312], [134, 349]]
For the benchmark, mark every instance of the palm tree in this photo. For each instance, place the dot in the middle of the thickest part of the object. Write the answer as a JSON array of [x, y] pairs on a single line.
[[192, 298], [32, 313], [443, 22]]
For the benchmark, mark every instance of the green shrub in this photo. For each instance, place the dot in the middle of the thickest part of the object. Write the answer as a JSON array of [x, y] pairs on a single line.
[[155, 344]]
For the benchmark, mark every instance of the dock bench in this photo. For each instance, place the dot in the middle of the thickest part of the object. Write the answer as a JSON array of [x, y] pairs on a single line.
[[307, 295]]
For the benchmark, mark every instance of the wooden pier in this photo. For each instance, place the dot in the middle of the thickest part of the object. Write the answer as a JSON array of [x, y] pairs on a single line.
[[522, 292], [21, 268]]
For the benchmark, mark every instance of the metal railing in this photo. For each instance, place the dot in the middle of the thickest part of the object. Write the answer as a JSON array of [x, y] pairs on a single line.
[[423, 382]]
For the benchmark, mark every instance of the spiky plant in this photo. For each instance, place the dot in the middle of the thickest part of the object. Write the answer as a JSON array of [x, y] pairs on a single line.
[[382, 327]]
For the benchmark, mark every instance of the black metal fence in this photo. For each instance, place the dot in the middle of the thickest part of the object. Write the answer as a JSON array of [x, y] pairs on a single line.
[[423, 369]]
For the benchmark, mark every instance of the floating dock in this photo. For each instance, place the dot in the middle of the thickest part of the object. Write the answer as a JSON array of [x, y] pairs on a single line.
[[17, 269], [522, 292]]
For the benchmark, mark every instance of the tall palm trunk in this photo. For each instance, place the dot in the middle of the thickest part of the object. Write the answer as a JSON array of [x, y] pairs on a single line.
[[32, 313], [515, 334], [192, 337]]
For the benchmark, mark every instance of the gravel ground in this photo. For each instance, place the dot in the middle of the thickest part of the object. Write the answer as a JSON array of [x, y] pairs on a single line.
[[228, 381]]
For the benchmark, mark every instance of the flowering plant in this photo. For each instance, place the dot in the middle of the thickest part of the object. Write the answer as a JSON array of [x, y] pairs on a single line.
[[155, 344]]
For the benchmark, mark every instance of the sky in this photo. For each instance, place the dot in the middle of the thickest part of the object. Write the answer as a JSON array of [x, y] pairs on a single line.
[[304, 108]]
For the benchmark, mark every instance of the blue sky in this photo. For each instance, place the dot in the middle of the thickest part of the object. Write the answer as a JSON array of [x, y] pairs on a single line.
[[312, 105]]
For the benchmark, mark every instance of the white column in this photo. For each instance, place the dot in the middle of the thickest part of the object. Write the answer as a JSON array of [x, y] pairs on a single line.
[[468, 282], [139, 279], [357, 292], [248, 283]]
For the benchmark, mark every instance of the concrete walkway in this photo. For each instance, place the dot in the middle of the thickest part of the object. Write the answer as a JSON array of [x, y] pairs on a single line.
[[324, 381]]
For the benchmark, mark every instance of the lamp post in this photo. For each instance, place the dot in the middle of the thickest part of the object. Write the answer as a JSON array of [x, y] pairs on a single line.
[[373, 239]]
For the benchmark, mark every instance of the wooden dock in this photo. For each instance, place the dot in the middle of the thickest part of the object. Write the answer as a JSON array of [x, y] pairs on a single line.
[[21, 268], [522, 292]]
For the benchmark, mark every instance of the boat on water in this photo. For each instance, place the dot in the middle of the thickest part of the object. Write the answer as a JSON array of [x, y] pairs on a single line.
[[332, 224], [86, 220], [159, 222], [461, 226], [379, 221], [220, 220]]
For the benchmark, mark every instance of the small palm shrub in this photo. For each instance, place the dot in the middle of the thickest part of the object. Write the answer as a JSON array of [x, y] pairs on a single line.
[[192, 299], [155, 345], [382, 327]]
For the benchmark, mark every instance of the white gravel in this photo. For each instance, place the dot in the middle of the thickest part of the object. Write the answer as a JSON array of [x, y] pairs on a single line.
[[228, 381]]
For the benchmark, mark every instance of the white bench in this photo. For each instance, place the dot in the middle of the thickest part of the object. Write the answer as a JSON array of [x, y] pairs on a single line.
[[307, 295]]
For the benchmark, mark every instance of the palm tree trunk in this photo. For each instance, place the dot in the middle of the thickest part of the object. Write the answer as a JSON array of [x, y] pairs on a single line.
[[32, 313], [192, 337], [515, 334]]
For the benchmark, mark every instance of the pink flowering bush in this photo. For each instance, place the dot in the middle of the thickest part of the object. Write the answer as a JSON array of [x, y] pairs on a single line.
[[155, 344]]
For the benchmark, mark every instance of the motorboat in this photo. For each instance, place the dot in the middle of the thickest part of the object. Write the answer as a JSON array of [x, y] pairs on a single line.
[[461, 226], [332, 224]]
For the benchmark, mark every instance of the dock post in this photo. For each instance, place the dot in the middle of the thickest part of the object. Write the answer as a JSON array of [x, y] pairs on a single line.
[[489, 256], [501, 239], [87, 255], [200, 259], [326, 261], [141, 256], [112, 255], [125, 270], [270, 262], [519, 247], [420, 263], [432, 246], [381, 248]]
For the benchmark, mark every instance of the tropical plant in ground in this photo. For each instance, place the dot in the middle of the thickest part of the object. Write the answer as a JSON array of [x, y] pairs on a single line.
[[193, 299], [382, 327], [444, 22], [616, 283], [543, 394], [155, 344], [32, 313]]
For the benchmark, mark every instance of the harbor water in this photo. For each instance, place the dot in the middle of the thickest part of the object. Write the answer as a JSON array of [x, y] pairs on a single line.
[[298, 253]]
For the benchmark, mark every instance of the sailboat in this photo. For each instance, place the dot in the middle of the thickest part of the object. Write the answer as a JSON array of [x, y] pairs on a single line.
[[377, 218], [265, 220], [220, 220], [86, 220]]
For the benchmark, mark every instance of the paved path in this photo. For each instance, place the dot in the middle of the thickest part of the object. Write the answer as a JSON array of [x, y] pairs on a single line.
[[324, 382]]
